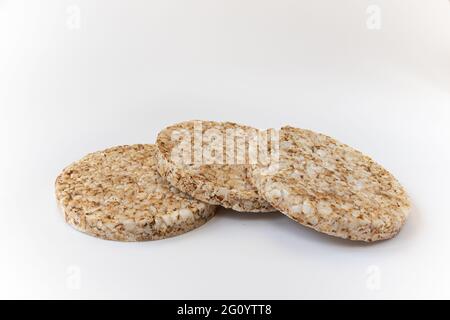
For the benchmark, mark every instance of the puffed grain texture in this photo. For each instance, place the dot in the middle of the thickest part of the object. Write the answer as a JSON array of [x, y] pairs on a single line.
[[222, 184], [117, 194], [332, 188]]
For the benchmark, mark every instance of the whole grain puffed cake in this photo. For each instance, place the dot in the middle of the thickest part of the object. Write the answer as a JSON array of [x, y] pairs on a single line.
[[332, 188], [117, 194], [198, 158]]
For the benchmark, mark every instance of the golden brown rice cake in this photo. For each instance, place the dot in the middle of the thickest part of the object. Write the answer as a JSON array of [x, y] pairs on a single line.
[[117, 194], [225, 184], [332, 188]]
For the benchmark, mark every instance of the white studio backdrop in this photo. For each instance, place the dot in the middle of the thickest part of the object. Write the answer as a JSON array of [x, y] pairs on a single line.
[[79, 76]]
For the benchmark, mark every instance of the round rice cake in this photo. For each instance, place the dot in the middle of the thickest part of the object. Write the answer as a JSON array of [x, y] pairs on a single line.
[[202, 177], [117, 194], [332, 188]]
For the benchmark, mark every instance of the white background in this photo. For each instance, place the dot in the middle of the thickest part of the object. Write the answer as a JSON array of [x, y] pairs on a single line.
[[129, 68]]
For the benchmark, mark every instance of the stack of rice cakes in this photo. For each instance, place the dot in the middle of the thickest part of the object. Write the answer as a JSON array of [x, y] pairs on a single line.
[[143, 192]]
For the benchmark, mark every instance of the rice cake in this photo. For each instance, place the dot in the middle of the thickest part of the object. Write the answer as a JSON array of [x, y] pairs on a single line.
[[117, 194], [225, 183], [332, 188]]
